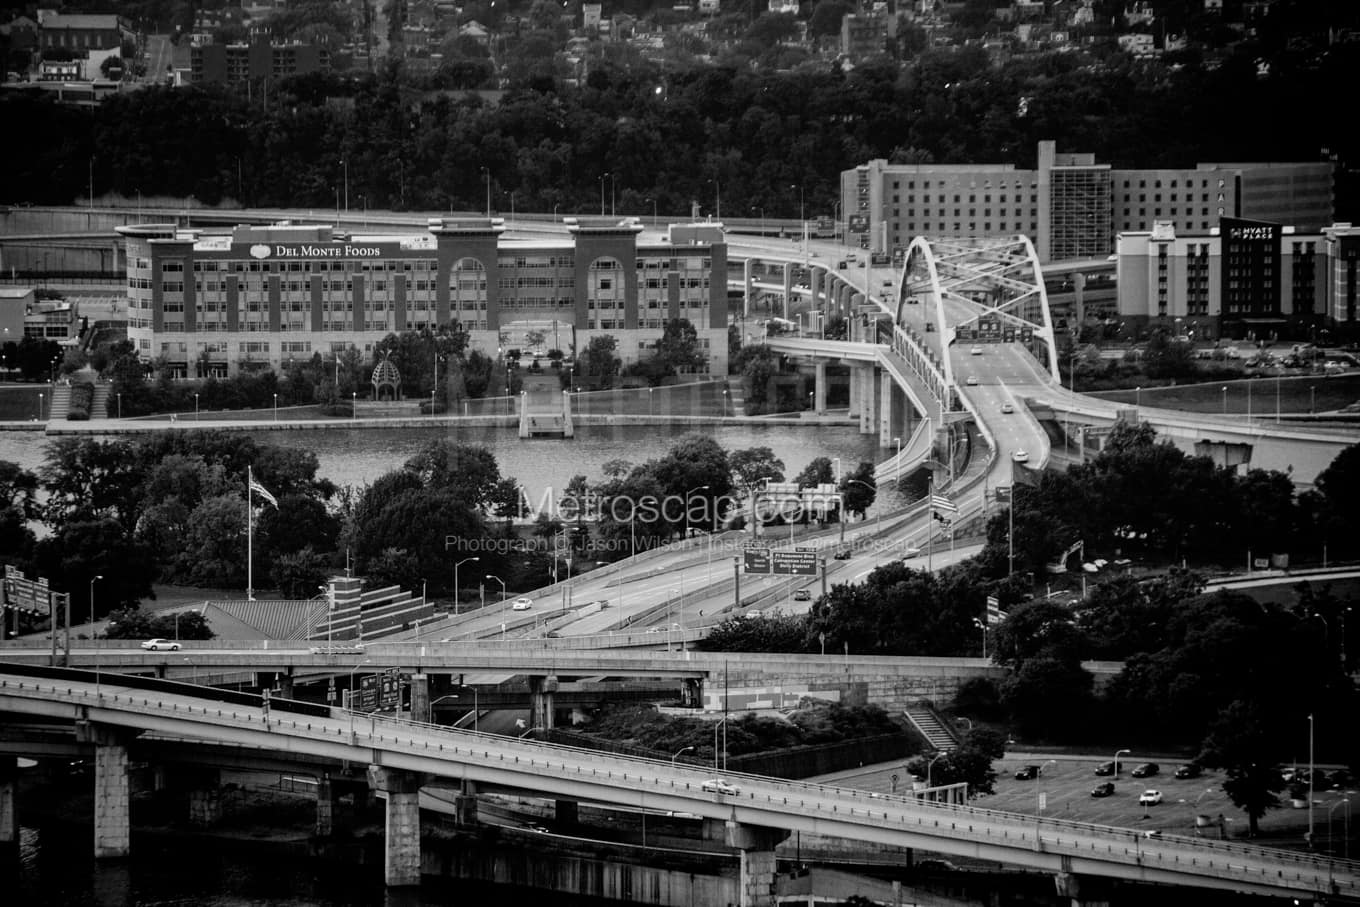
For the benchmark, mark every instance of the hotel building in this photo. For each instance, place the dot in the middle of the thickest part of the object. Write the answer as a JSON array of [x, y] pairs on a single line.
[[255, 297], [1070, 206]]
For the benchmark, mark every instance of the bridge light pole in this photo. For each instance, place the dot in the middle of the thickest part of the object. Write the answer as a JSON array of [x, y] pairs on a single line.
[[931, 764], [1116, 760], [93, 580], [1347, 833], [456, 565], [679, 753], [502, 582]]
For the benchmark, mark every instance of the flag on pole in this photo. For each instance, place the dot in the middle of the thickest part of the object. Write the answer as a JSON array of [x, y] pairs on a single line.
[[259, 489], [940, 502]]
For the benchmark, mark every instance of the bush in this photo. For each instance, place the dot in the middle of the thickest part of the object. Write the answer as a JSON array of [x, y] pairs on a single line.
[[82, 399]]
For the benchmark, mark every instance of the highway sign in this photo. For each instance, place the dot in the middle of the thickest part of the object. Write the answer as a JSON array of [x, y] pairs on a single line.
[[858, 223], [756, 560], [799, 562]]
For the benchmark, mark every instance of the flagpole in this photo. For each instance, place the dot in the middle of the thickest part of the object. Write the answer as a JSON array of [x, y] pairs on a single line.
[[250, 540]]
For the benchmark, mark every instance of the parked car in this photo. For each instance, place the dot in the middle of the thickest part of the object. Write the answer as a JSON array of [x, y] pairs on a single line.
[[802, 595], [1029, 773], [157, 645], [522, 604], [1189, 770], [1007, 409], [719, 786], [1146, 770], [1150, 798], [1020, 456], [1105, 768], [975, 351], [1104, 789], [972, 381]]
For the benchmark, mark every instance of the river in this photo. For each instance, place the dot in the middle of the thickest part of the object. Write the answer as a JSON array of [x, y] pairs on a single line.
[[359, 456]]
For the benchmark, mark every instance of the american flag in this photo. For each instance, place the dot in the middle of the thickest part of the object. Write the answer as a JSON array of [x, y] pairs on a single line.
[[259, 489], [940, 502]]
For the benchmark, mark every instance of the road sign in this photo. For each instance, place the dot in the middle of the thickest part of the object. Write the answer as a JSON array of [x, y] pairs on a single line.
[[756, 560], [858, 223], [26, 594], [799, 562]]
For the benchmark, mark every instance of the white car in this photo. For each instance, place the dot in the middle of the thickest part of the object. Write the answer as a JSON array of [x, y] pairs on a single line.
[[1150, 798], [157, 645], [972, 381], [1007, 409], [975, 351], [522, 604], [719, 786], [1020, 456]]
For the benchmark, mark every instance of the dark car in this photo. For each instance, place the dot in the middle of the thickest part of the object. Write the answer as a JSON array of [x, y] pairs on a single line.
[[1146, 770], [1028, 773], [1103, 790], [1105, 768], [843, 554], [1189, 770]]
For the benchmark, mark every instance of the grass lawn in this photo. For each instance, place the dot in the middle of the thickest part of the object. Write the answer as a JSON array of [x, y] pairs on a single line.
[[1296, 394], [19, 402]]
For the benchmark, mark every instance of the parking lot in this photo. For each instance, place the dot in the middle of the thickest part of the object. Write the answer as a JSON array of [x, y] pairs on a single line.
[[1066, 782]]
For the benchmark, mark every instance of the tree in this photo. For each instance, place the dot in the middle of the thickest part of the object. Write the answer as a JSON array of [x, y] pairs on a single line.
[[753, 467], [818, 472], [968, 763], [468, 471], [82, 549], [135, 623], [600, 360], [298, 574], [17, 488], [1246, 745], [859, 489]]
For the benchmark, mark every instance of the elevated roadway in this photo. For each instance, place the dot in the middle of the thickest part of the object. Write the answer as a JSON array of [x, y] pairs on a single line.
[[755, 811]]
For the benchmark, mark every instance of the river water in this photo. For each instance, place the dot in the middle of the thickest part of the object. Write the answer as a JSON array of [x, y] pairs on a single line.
[[359, 456]]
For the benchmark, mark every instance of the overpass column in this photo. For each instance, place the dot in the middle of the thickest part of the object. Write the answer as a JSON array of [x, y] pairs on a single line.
[[759, 866], [747, 279], [9, 804], [819, 389], [420, 699], [541, 691], [285, 682], [112, 797], [465, 804], [205, 798], [401, 853], [325, 807], [1084, 891], [885, 409], [788, 289]]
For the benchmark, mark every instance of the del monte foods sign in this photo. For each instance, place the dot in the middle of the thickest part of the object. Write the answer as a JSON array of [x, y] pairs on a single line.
[[314, 250]]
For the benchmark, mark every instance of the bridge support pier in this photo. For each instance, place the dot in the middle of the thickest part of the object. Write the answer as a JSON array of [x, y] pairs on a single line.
[[1083, 891], [325, 807], [9, 803], [112, 793], [819, 389], [885, 410], [541, 690], [401, 853], [421, 710], [759, 867], [465, 805], [285, 682]]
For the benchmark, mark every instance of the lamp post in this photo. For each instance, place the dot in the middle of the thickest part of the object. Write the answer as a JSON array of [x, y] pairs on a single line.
[[40, 406], [1312, 399], [345, 162], [931, 764], [897, 463], [93, 580], [276, 407], [456, 565], [1038, 794], [1116, 760], [195, 407], [1309, 836], [1138, 396], [679, 753], [1225, 399], [688, 495], [486, 175], [120, 406], [981, 625], [502, 582], [602, 176], [1346, 837], [353, 405]]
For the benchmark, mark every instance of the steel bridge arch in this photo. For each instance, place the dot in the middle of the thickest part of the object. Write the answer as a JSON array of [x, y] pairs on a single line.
[[993, 278]]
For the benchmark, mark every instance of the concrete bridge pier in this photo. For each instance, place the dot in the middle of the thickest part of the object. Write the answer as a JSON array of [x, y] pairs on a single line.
[[421, 709], [541, 690], [401, 851], [325, 807], [465, 804], [205, 797], [759, 866], [819, 388], [112, 792], [9, 803], [1083, 891]]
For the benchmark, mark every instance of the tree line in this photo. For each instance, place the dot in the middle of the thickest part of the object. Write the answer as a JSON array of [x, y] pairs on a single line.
[[720, 136]]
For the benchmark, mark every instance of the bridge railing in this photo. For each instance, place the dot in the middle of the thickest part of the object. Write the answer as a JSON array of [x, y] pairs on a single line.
[[1240, 864]]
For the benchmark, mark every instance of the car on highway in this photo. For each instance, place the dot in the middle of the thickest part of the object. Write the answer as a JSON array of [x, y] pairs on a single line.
[[1104, 789], [602, 602], [843, 555], [1146, 770], [522, 604], [910, 551], [1007, 409], [719, 786], [1189, 770], [753, 614], [157, 645], [1029, 773], [972, 381], [1105, 768], [1020, 456], [1150, 798], [802, 595], [975, 351]]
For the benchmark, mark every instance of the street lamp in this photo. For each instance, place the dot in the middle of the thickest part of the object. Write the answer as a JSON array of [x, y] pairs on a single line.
[[897, 462], [931, 763], [120, 406], [276, 407], [455, 577], [1116, 761], [688, 495], [353, 405], [93, 580], [502, 582], [1311, 772], [195, 407], [40, 406], [486, 174], [678, 753], [1347, 830], [978, 622], [476, 710], [1225, 399]]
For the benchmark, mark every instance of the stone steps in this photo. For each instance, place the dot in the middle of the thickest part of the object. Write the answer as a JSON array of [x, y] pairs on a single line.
[[938, 734]]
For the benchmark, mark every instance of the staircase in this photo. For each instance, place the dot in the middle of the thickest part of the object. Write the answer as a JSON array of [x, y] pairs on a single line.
[[736, 397], [60, 403], [99, 408], [930, 726]]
